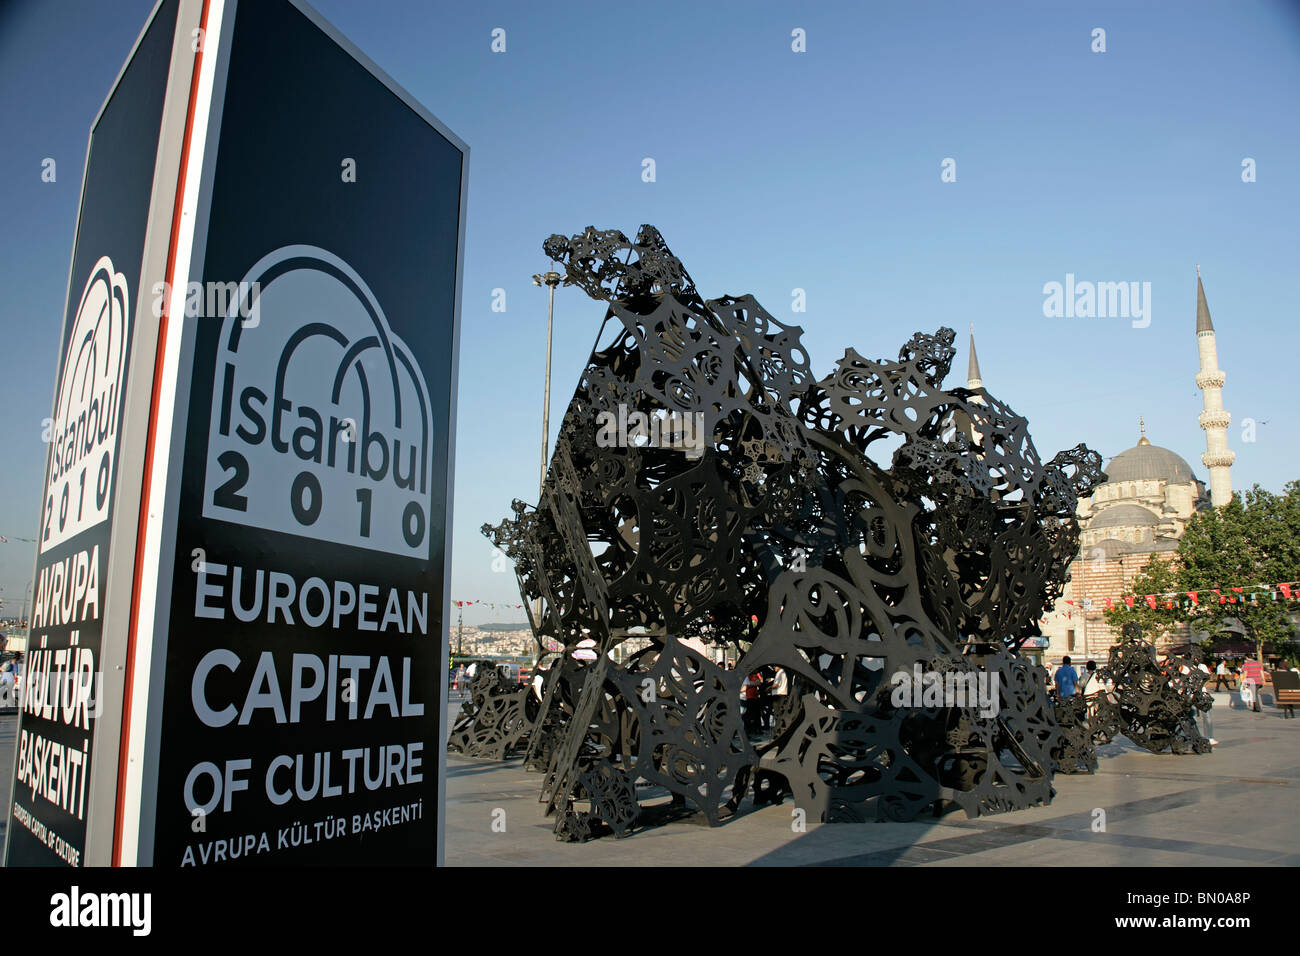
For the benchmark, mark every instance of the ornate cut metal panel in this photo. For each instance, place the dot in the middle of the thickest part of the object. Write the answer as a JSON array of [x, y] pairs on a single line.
[[1077, 751], [496, 720], [711, 494], [1152, 703]]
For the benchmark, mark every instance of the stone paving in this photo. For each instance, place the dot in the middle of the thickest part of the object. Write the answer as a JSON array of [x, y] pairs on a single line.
[[1238, 806]]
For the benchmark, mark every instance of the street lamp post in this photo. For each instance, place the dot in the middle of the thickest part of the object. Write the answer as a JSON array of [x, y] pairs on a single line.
[[550, 279]]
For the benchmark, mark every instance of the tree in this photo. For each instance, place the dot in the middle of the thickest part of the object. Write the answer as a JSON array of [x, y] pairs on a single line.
[[1251, 543], [1160, 576]]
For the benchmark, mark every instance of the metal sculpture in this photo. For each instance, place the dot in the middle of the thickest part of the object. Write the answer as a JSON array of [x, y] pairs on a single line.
[[1152, 703], [495, 721], [1077, 750], [710, 494]]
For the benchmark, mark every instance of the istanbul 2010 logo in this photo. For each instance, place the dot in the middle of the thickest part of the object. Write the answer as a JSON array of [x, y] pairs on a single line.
[[321, 420], [83, 432]]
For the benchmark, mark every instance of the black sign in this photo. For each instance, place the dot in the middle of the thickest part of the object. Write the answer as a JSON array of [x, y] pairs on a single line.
[[60, 700], [301, 717]]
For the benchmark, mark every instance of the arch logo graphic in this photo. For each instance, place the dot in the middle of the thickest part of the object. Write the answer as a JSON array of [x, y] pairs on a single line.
[[83, 431], [321, 420]]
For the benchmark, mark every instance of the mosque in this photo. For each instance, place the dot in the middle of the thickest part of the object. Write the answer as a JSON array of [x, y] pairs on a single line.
[[1141, 510]]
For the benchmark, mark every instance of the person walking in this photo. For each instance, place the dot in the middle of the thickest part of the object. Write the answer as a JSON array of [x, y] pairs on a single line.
[[1207, 727], [1254, 675], [750, 713], [1089, 675], [1066, 678], [1094, 683], [1221, 675]]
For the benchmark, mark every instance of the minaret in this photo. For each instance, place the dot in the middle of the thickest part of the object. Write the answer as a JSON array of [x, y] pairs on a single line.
[[973, 381], [1217, 458], [975, 384]]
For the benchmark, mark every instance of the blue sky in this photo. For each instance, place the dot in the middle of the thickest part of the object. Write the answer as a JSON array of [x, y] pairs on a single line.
[[778, 170]]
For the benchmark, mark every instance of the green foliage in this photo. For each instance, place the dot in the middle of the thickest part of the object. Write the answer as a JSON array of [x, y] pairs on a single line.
[[1254, 540], [1160, 576]]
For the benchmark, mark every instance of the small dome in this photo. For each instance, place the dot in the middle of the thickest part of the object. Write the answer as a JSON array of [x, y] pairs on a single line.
[[1111, 548], [1123, 516], [1145, 462]]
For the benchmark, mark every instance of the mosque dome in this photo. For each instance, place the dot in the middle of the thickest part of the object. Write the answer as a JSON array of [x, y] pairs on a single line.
[[1145, 462]]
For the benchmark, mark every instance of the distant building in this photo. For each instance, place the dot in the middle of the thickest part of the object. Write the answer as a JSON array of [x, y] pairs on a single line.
[[1140, 512]]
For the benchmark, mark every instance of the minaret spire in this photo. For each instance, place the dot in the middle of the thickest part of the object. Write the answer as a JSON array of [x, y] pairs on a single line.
[[963, 420], [1214, 419], [973, 380]]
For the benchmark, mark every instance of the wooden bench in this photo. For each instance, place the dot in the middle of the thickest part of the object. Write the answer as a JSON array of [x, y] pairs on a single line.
[[1286, 688]]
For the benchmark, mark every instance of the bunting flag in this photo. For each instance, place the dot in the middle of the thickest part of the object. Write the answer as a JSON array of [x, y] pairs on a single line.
[[1233, 594]]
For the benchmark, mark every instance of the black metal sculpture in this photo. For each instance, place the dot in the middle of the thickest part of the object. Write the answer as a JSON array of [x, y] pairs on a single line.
[[1152, 703], [709, 494], [494, 723], [1077, 750]]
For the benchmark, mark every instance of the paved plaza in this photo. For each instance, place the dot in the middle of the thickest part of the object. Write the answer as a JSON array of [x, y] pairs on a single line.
[[1238, 806]]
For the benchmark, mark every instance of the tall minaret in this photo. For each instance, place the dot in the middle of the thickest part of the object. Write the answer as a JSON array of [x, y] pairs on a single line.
[[975, 384], [1217, 458]]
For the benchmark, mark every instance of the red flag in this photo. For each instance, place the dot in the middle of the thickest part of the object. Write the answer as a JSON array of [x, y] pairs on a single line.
[[1195, 598], [1129, 602], [1286, 590], [1110, 603], [1169, 605], [1151, 601]]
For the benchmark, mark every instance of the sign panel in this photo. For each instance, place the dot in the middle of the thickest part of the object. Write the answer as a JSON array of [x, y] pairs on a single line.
[[60, 703], [303, 611]]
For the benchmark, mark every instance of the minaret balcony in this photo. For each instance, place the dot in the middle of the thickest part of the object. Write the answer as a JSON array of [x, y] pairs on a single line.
[[1219, 419], [1213, 379], [1218, 459]]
